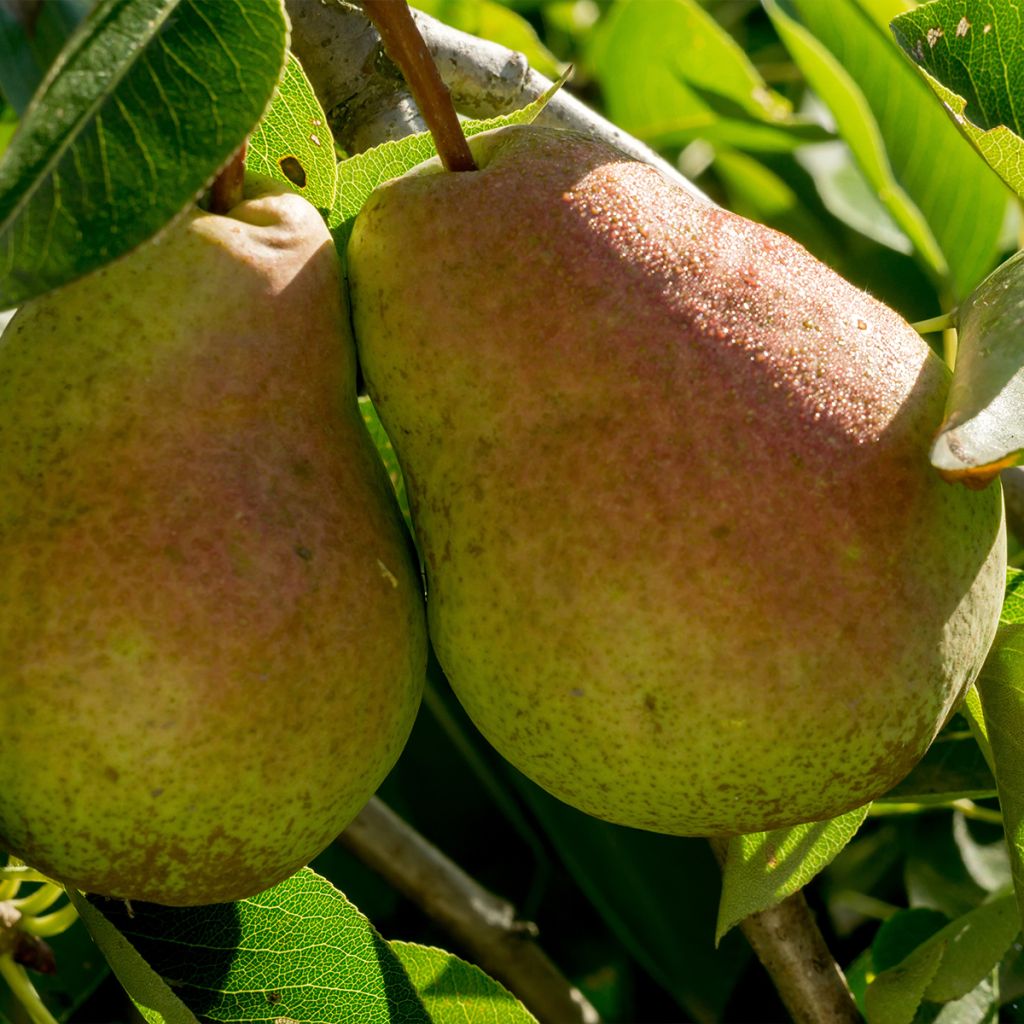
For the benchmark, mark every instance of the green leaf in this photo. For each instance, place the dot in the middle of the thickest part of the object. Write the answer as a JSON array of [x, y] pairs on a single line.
[[972, 710], [848, 195], [983, 428], [455, 992], [293, 144], [8, 124], [361, 174], [946, 966], [988, 863], [763, 868], [934, 872], [669, 73], [856, 123], [1001, 686], [299, 951], [894, 996], [968, 52], [147, 102], [979, 1006], [972, 945], [1013, 600], [939, 193], [902, 933]]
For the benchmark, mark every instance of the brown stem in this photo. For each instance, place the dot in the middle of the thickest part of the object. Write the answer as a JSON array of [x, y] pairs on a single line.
[[405, 46], [485, 925], [787, 941], [227, 188]]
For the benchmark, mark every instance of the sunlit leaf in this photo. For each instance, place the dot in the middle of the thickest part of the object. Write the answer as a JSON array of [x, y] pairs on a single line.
[[293, 144], [849, 197], [983, 430], [969, 51], [387, 455], [8, 124], [952, 208], [763, 868], [455, 992], [1013, 600], [669, 73], [299, 951]]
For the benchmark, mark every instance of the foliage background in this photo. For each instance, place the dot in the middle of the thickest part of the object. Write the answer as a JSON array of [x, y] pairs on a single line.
[[716, 87]]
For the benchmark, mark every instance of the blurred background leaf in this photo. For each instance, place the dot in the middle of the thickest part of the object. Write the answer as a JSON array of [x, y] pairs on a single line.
[[32, 33], [669, 73], [952, 209]]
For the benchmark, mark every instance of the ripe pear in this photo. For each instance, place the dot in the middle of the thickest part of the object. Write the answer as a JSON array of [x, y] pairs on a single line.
[[213, 640], [688, 567]]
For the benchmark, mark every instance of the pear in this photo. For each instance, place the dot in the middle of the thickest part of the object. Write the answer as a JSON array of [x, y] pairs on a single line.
[[213, 641], [688, 566]]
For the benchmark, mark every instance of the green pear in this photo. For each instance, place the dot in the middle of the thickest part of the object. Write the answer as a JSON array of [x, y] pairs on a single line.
[[213, 641], [688, 567]]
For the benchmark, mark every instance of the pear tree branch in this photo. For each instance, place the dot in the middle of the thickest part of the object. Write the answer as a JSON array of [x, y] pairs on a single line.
[[792, 950], [405, 46], [367, 102], [485, 925]]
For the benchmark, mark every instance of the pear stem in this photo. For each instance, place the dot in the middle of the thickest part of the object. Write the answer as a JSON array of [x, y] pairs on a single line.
[[227, 189], [406, 47], [793, 951], [484, 924]]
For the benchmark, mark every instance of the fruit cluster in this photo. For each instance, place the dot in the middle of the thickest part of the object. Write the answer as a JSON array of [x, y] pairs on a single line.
[[686, 562]]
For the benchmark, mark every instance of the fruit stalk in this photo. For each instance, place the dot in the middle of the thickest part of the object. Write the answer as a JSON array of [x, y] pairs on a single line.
[[227, 189], [483, 923], [406, 47]]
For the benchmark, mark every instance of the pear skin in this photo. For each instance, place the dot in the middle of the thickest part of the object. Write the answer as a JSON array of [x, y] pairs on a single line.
[[688, 566], [213, 642]]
